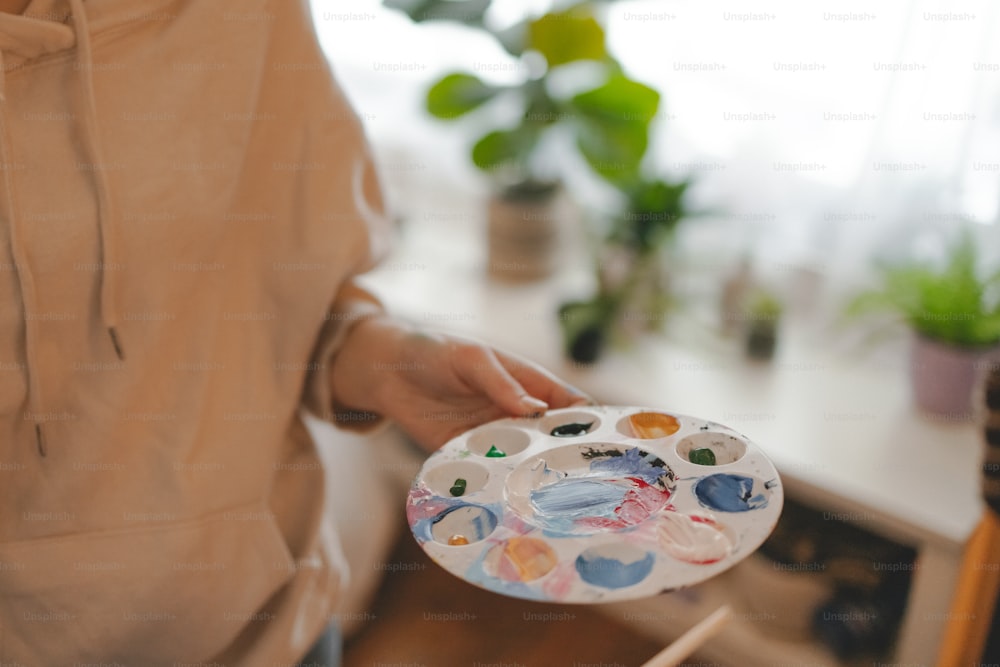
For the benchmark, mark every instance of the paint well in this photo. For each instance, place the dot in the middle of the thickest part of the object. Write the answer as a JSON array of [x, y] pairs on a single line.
[[567, 423], [472, 522], [693, 539], [726, 448], [520, 559], [442, 479], [731, 493], [614, 565], [649, 425], [498, 438]]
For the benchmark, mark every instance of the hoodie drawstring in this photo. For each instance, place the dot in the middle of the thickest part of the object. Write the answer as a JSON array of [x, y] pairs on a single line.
[[27, 282], [107, 212], [47, 37]]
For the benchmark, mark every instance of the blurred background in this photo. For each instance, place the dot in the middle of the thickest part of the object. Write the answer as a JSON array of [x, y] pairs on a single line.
[[785, 217], [820, 133]]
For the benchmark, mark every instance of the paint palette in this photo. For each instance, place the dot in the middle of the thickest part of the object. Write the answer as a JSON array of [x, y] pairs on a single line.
[[594, 504]]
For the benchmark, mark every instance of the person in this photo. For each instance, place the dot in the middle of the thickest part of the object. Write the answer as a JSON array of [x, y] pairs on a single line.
[[186, 202]]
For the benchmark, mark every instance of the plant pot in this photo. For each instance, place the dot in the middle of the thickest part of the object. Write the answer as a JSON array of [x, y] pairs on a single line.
[[942, 376], [523, 236], [761, 340]]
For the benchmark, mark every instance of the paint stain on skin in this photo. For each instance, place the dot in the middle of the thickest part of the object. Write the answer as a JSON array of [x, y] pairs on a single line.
[[614, 568], [729, 493]]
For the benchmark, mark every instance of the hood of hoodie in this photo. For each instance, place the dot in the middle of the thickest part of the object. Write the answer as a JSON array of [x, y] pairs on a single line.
[[184, 200], [39, 31]]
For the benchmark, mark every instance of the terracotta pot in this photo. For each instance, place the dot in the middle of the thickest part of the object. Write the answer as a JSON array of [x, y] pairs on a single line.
[[943, 376], [523, 237]]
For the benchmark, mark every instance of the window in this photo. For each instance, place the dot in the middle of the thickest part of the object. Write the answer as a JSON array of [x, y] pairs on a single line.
[[821, 133]]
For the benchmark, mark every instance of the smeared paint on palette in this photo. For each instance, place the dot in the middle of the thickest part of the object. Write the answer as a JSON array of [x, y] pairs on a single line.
[[594, 504], [731, 493], [614, 565]]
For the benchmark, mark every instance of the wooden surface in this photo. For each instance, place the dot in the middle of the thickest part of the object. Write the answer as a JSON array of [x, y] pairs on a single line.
[[425, 617]]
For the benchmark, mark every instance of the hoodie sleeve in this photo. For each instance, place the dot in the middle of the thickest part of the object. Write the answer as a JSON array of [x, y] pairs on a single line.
[[353, 305], [354, 207]]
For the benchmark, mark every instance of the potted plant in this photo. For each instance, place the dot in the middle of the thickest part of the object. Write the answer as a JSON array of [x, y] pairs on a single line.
[[954, 312], [632, 294], [607, 120], [762, 317]]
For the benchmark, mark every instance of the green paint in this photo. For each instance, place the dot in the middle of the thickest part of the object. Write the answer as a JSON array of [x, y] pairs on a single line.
[[702, 456], [495, 453], [458, 488]]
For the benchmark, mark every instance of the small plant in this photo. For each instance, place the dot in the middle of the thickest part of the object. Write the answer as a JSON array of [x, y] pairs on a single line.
[[608, 120], [764, 307], [653, 208], [763, 316], [952, 304]]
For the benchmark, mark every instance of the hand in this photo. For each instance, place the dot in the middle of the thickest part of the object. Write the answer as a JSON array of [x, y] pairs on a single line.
[[437, 386]]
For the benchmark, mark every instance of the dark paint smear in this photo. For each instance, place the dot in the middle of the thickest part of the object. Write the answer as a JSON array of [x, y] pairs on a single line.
[[591, 453], [570, 430]]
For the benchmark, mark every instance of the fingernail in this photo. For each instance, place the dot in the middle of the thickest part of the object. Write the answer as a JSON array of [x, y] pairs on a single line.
[[534, 406]]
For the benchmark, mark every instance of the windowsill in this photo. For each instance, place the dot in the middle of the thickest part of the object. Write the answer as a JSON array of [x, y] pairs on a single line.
[[841, 430]]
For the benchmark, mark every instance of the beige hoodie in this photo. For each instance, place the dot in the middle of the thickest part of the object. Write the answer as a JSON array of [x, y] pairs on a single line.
[[184, 197]]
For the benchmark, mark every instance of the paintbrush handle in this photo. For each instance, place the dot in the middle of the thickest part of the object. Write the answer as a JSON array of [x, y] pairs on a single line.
[[691, 640]]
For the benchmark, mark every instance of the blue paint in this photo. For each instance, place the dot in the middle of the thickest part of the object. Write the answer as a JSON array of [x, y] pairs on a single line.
[[570, 498], [611, 572], [631, 463], [728, 493], [474, 522]]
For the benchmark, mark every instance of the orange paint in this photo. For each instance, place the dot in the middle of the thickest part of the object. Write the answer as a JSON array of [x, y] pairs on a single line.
[[648, 425]]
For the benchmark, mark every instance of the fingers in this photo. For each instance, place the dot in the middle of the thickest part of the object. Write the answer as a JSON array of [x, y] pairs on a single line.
[[479, 367], [543, 384]]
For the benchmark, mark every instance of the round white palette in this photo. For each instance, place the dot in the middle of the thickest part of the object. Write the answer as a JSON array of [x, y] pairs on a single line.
[[612, 509]]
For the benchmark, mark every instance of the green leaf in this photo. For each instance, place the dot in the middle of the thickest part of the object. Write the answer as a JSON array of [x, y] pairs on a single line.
[[567, 36], [505, 150], [654, 209], [619, 101], [951, 304], [457, 94], [613, 127], [613, 152]]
